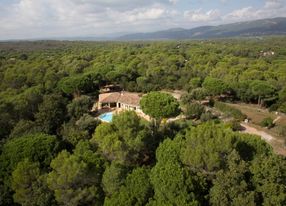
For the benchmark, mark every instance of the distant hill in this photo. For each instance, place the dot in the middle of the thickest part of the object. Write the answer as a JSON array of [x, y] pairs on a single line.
[[275, 26]]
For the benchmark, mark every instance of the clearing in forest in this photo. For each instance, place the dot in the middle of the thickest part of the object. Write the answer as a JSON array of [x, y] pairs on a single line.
[[256, 114]]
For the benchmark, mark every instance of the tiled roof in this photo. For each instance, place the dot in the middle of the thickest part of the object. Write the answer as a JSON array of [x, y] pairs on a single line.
[[128, 98], [109, 97]]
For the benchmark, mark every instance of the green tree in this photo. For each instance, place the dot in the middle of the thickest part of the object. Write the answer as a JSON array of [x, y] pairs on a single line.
[[72, 134], [173, 183], [26, 103], [159, 105], [269, 175], [51, 113], [215, 86], [170, 150], [36, 148], [79, 106], [79, 84], [251, 147], [123, 140], [261, 90], [113, 178], [136, 190], [87, 123], [51, 80], [30, 186], [207, 146], [6, 123], [82, 129], [75, 178], [231, 187], [13, 78], [71, 85], [23, 128], [243, 90], [23, 56]]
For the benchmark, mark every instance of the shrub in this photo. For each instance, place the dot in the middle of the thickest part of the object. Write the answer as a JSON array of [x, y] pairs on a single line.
[[234, 125], [198, 94], [206, 116], [211, 103], [267, 122], [230, 111], [273, 107], [186, 98], [195, 82], [282, 108], [194, 110]]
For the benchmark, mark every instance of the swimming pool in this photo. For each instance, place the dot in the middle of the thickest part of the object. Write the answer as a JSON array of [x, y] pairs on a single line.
[[106, 117]]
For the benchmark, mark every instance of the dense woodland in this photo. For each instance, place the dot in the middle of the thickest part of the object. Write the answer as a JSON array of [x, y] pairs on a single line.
[[54, 152]]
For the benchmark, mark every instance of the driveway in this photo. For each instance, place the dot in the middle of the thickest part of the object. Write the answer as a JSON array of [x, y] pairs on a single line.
[[277, 144]]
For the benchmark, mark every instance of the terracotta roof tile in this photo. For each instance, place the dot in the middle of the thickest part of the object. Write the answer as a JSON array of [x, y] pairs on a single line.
[[121, 97], [109, 97], [129, 98]]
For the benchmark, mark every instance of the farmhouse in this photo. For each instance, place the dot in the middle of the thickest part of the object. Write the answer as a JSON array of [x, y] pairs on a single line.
[[121, 100]]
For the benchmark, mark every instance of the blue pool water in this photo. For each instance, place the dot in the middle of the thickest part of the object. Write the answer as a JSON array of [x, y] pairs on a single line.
[[106, 117]]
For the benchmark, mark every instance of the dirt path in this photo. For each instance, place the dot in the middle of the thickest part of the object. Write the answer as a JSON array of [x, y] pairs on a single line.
[[277, 144], [277, 119]]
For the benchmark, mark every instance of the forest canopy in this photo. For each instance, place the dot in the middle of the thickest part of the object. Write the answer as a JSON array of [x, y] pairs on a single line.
[[53, 151]]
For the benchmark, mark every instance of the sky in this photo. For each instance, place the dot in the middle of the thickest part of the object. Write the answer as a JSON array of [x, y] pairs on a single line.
[[28, 19]]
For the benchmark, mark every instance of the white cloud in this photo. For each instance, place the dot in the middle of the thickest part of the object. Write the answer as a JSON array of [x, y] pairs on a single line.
[[240, 13], [271, 8], [200, 16], [173, 1], [54, 18], [273, 4], [136, 15], [32, 18]]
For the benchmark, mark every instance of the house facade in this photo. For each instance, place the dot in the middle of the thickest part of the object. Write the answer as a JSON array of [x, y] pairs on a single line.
[[121, 100]]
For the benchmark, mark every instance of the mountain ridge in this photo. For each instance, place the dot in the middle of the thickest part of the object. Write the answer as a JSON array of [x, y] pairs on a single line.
[[261, 27]]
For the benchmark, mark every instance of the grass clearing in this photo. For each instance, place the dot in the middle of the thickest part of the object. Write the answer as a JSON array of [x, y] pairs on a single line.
[[256, 114]]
